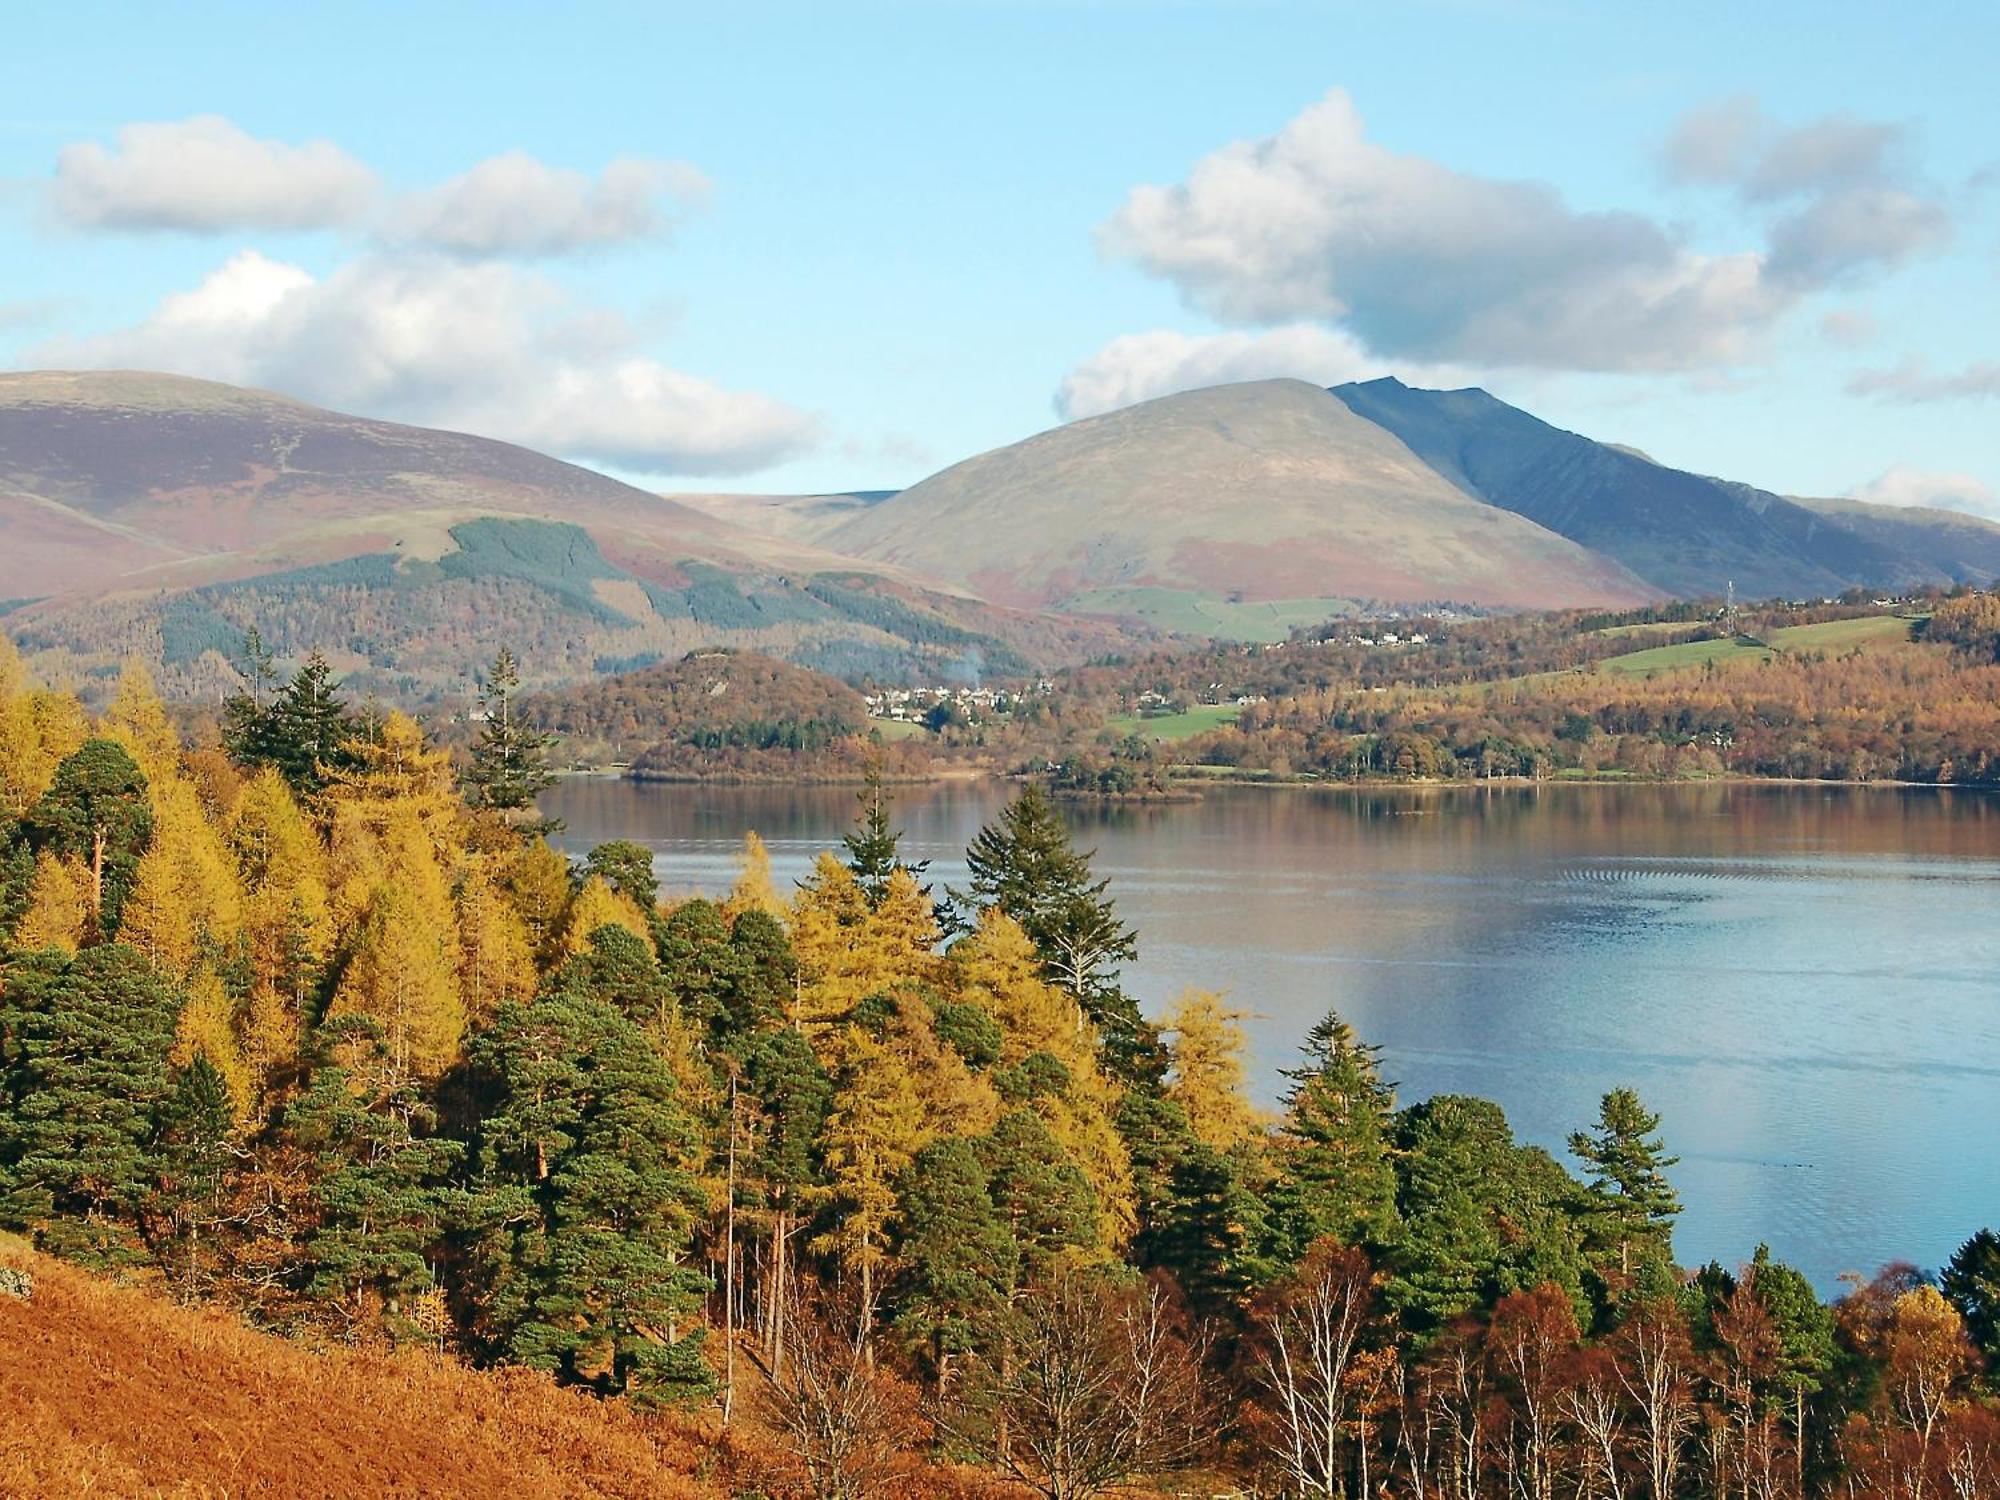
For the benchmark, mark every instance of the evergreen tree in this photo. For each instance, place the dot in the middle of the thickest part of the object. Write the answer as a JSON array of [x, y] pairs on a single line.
[[628, 869], [1025, 865], [1335, 1176], [196, 1120], [1632, 1205], [96, 812], [1970, 1281], [84, 1044], [304, 732], [1043, 1197], [510, 759], [699, 964], [382, 1195], [1480, 1215], [872, 845], [960, 1258], [587, 1200]]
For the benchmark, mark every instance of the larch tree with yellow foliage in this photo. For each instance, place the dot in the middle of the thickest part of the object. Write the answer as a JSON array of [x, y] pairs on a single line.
[[1207, 1078]]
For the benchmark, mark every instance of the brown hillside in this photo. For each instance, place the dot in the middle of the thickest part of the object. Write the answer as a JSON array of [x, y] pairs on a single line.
[[107, 1391], [1267, 490]]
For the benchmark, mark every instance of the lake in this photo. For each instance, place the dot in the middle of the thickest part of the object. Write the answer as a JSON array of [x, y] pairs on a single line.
[[1805, 981]]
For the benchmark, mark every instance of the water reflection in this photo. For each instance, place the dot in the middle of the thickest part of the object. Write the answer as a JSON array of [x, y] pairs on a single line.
[[1805, 979]]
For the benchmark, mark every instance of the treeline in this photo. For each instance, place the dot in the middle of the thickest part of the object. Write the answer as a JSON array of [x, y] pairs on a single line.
[[305, 1023]]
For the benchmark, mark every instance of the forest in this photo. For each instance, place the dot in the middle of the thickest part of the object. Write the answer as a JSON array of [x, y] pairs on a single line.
[[309, 1021]]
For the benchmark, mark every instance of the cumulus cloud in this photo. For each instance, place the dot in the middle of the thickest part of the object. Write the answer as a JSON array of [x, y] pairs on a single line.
[[515, 205], [1845, 194], [1904, 485], [1419, 261], [477, 346], [208, 175], [1913, 382], [1140, 366], [205, 174]]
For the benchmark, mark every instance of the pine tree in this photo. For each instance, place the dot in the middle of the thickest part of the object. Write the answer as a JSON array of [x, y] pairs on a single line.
[[510, 759], [1336, 1177], [961, 1262], [96, 811], [85, 1059], [302, 734], [191, 1160], [628, 869], [382, 1196], [1632, 1204], [873, 843], [1025, 865], [1970, 1281], [587, 1201]]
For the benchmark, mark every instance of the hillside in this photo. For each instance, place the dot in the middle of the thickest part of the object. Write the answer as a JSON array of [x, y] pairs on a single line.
[[111, 1391], [159, 516], [711, 708], [1961, 548], [1686, 534], [1262, 491]]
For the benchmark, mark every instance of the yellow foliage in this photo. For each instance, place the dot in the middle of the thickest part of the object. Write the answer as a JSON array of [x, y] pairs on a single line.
[[207, 1029], [403, 973], [535, 880], [58, 914], [847, 950], [754, 886], [496, 963], [13, 671], [138, 720], [872, 1135], [1207, 1081], [37, 730], [998, 969], [287, 923], [186, 894], [598, 905]]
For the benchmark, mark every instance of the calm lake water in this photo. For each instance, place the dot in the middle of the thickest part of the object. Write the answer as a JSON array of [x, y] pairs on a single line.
[[1804, 981]]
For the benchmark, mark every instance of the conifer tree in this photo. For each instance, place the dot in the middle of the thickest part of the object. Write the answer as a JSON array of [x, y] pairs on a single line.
[[961, 1262], [510, 759], [1207, 1052], [1336, 1177], [402, 974], [85, 1059], [1970, 1281], [587, 1202], [57, 913], [191, 1159], [96, 811], [302, 734], [873, 843], [383, 1196], [1632, 1203], [1025, 865], [597, 905], [628, 869]]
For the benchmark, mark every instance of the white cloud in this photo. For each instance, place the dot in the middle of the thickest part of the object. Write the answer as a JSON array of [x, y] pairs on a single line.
[[1904, 485], [515, 205], [1422, 262], [1912, 382], [206, 174], [1140, 366], [1849, 327], [476, 346]]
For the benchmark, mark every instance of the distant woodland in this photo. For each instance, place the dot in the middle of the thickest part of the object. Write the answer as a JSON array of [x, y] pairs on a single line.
[[895, 1183]]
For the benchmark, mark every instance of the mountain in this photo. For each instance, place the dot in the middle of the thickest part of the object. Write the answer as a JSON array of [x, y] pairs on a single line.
[[1683, 533], [1956, 546], [1266, 491], [162, 516]]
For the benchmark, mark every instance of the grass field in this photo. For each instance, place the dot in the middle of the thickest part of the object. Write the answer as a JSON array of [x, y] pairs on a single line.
[[898, 729], [1188, 612], [1868, 633], [1172, 727], [1646, 627]]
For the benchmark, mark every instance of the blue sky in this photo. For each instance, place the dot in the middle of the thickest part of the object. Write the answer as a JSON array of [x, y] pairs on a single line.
[[778, 247]]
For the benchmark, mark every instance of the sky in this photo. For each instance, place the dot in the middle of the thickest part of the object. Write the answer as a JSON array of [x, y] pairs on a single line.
[[777, 248]]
